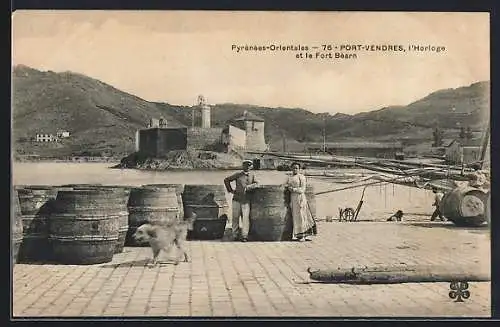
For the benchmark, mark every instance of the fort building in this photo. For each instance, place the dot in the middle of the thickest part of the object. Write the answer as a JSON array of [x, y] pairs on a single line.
[[246, 130], [242, 133]]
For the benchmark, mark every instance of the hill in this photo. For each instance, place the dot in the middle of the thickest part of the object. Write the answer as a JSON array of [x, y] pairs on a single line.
[[449, 109], [103, 120]]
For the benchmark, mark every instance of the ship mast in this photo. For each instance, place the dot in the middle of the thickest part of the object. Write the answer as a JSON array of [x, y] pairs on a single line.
[[486, 140]]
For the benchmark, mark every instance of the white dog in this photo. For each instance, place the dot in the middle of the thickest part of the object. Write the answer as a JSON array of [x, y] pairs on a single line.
[[165, 237]]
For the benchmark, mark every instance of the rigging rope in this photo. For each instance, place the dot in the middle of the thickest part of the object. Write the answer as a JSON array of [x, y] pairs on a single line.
[[365, 184]]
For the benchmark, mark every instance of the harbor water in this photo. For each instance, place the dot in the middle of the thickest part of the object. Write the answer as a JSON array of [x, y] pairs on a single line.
[[379, 201]]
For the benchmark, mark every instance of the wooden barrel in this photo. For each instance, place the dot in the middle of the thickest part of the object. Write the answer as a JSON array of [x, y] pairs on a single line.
[[84, 226], [16, 226], [32, 198], [311, 199], [268, 214], [179, 189], [206, 201], [209, 204], [79, 185], [151, 205], [464, 206], [36, 206], [123, 192]]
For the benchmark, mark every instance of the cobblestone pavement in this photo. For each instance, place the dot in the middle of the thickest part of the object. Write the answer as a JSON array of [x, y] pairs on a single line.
[[266, 278]]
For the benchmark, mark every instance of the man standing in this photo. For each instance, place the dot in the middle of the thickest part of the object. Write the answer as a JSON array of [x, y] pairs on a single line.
[[245, 181], [438, 196]]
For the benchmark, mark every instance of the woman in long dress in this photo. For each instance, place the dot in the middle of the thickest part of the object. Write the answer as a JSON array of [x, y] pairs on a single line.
[[303, 221]]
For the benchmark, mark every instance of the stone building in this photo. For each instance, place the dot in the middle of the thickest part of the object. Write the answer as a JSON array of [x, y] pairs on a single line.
[[62, 134], [466, 151], [245, 132], [158, 138], [158, 141], [234, 139], [242, 133], [40, 137]]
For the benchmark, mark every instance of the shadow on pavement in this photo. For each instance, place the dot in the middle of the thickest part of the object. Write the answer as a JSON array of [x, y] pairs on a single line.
[[449, 225], [135, 263]]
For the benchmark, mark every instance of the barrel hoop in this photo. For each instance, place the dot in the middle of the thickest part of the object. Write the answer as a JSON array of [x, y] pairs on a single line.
[[200, 219], [206, 206], [82, 238], [37, 216], [147, 209], [123, 229], [81, 216], [37, 235]]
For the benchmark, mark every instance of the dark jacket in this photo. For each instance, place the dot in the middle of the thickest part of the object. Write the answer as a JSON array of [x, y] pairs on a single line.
[[245, 181]]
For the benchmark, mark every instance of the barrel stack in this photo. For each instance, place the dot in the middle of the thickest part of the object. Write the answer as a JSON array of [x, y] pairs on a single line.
[[209, 205], [16, 226], [36, 205], [122, 193], [179, 189], [465, 206], [84, 225], [269, 217], [151, 205]]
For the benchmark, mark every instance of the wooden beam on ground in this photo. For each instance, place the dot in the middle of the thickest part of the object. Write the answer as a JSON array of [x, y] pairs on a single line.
[[394, 275]]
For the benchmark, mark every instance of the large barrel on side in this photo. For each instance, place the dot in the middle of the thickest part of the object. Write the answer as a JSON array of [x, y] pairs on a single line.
[[84, 225], [123, 192], [179, 189], [269, 220], [151, 205], [16, 226], [209, 204], [36, 206], [464, 206]]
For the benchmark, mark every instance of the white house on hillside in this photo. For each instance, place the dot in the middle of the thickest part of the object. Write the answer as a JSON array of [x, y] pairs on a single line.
[[45, 138], [62, 134]]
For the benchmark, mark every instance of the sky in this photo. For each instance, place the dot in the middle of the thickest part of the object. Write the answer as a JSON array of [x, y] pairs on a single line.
[[174, 56]]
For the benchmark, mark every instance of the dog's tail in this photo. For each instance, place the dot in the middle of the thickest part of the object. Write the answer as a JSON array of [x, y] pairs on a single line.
[[190, 220]]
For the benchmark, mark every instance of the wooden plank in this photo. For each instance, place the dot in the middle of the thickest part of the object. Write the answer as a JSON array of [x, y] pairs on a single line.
[[394, 275]]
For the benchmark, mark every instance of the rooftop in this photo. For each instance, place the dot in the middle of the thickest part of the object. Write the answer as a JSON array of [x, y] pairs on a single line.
[[248, 116]]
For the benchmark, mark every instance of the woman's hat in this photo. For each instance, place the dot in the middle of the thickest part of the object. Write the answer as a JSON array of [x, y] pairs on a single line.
[[247, 161]]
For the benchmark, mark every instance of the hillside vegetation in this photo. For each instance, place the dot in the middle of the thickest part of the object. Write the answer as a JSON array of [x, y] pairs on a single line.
[[103, 120]]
